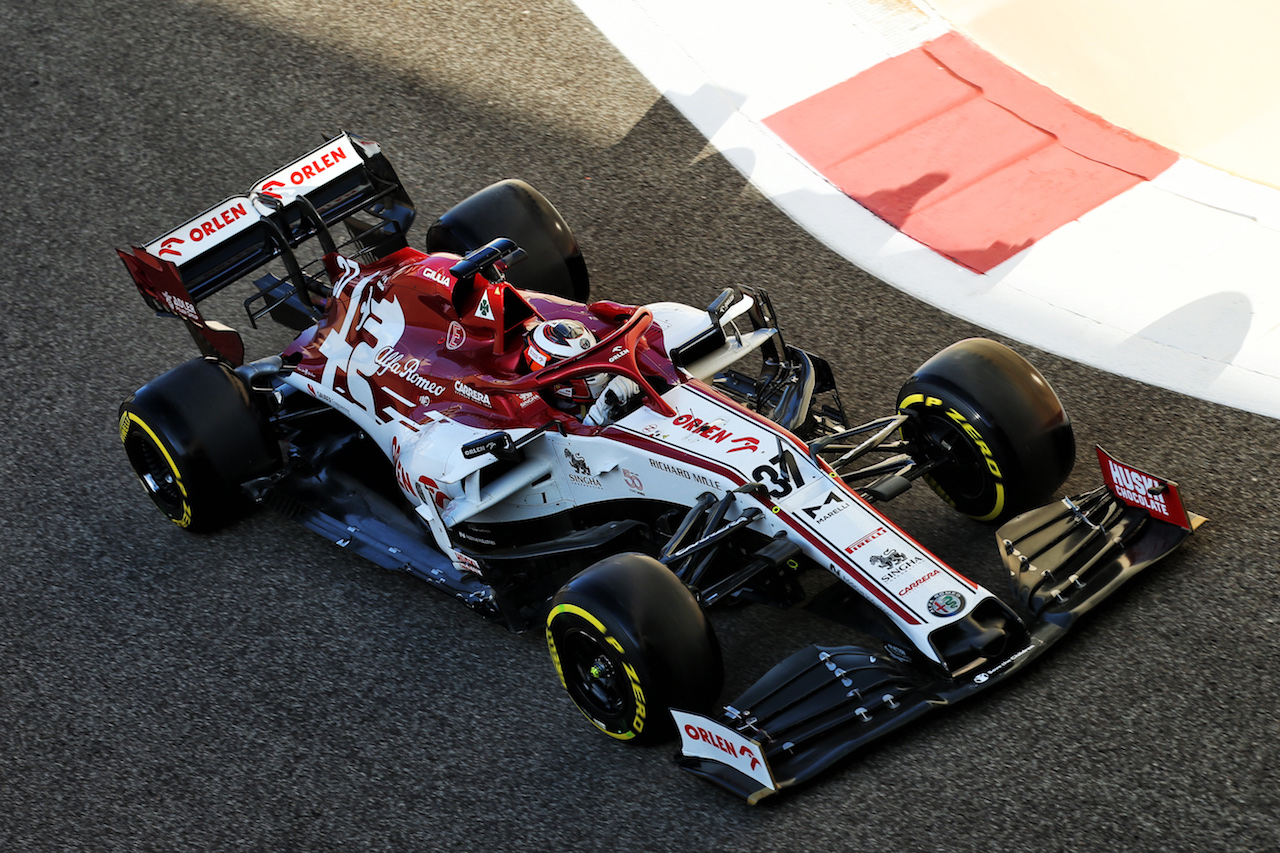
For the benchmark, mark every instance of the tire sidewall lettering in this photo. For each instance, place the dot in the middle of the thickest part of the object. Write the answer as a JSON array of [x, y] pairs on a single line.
[[975, 438], [567, 611]]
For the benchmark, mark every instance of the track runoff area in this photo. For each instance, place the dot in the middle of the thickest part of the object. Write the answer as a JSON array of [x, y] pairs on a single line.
[[918, 154]]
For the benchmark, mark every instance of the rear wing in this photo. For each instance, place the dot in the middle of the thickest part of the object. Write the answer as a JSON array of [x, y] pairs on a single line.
[[347, 179]]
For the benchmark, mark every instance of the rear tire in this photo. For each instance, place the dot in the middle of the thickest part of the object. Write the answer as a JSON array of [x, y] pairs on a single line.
[[193, 435], [516, 210], [1007, 442], [629, 641]]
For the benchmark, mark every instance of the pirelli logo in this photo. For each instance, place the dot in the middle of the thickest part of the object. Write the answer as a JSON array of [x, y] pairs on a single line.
[[865, 540]]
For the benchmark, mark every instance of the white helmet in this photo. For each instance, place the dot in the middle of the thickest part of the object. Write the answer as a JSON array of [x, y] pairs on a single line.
[[554, 340]]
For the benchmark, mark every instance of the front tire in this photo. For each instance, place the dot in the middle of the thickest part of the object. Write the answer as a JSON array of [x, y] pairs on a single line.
[[629, 641], [1001, 433], [192, 436]]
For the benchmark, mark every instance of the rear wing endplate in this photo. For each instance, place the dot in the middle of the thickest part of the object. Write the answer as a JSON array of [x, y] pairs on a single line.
[[346, 176]]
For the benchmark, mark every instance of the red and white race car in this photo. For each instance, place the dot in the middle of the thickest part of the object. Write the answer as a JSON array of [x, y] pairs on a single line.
[[673, 459]]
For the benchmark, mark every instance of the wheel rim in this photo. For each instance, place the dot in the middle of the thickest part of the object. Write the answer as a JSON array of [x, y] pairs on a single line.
[[595, 677], [965, 474], [156, 475]]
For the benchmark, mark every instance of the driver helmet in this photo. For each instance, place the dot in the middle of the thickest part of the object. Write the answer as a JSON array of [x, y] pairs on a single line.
[[555, 340]]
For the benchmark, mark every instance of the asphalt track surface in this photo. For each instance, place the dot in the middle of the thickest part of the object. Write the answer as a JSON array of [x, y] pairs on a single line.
[[260, 689]]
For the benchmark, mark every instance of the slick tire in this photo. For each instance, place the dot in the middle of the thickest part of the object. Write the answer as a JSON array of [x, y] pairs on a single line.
[[514, 209], [1005, 442], [629, 641], [193, 436]]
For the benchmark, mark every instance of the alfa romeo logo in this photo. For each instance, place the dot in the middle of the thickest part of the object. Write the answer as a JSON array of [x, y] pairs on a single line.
[[946, 603]]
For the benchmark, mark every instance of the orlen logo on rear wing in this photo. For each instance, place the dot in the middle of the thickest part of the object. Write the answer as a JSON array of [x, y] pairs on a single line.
[[233, 216], [211, 228], [329, 161], [1159, 497], [289, 207]]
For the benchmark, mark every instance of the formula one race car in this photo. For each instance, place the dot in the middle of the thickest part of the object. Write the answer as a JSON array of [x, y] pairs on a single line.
[[612, 473]]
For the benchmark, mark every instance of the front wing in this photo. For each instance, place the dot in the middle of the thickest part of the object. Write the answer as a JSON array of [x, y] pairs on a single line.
[[822, 704]]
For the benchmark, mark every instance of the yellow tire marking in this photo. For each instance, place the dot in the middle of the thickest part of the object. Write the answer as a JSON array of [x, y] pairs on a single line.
[[637, 723], [129, 418], [985, 449]]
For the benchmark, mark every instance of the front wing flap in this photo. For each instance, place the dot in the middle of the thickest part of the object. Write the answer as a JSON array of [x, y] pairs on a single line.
[[1067, 557], [822, 704], [808, 712]]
